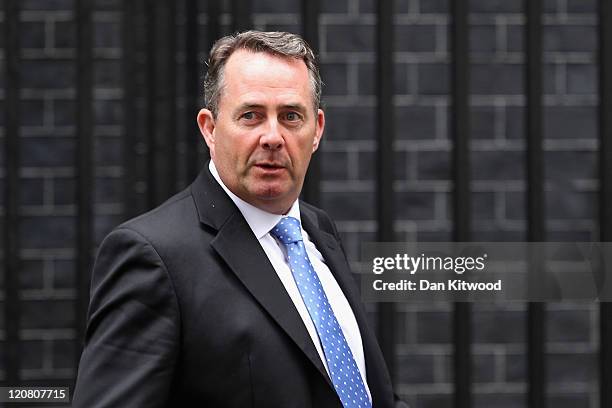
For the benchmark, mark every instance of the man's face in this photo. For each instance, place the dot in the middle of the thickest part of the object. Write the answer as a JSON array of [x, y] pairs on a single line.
[[266, 129]]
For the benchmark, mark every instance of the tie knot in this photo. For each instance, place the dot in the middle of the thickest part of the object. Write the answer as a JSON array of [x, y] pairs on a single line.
[[287, 230]]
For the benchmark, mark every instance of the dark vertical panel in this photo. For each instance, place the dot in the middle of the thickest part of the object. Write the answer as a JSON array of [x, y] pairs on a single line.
[[241, 15], [84, 160], [213, 12], [536, 394], [150, 96], [386, 134], [130, 113], [310, 28], [11, 192], [193, 87], [214, 27], [605, 183], [161, 102], [460, 131], [165, 99]]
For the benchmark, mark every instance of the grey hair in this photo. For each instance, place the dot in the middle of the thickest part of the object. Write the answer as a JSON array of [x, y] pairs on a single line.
[[278, 43]]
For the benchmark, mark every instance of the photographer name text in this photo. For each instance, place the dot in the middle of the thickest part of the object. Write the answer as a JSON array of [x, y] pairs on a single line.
[[457, 285]]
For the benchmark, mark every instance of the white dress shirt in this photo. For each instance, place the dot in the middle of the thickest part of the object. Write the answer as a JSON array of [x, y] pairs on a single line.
[[261, 222]]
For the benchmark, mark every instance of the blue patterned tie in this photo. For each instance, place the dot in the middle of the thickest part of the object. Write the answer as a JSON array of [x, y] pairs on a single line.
[[342, 367]]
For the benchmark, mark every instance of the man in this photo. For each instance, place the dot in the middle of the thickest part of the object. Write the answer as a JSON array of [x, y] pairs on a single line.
[[233, 293]]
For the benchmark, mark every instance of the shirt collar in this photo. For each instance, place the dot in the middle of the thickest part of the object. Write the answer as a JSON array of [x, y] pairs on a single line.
[[260, 221]]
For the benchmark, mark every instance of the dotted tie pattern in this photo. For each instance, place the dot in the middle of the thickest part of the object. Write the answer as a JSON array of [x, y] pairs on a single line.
[[342, 367]]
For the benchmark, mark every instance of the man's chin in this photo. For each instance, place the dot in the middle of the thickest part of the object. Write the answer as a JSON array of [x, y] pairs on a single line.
[[273, 198]]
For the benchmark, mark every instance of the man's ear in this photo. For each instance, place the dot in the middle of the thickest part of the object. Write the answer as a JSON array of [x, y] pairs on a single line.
[[206, 123], [320, 126]]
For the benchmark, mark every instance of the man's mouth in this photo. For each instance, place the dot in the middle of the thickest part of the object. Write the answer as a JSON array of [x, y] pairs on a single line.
[[269, 166]]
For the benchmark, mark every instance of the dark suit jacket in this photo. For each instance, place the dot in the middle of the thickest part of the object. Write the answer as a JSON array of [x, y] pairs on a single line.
[[186, 310]]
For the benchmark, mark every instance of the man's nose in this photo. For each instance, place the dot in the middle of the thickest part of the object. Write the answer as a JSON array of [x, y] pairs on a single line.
[[272, 139]]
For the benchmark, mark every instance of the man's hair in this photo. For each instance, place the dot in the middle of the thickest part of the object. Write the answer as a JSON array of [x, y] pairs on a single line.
[[277, 43]]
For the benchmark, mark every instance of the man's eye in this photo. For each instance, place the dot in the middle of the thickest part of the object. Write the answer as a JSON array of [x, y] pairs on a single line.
[[292, 116], [248, 115]]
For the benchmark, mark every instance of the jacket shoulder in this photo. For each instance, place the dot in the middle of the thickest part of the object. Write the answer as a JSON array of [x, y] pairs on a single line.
[[167, 222]]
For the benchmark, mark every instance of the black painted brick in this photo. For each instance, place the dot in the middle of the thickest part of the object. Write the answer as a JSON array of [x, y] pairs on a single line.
[[32, 34], [572, 367], [64, 112], [515, 122], [45, 151], [515, 37], [64, 191], [340, 6], [47, 4], [415, 122], [106, 34], [350, 205], [567, 38], [568, 325], [64, 276], [350, 38], [47, 74], [498, 165], [335, 78], [433, 327], [570, 122], [486, 326], [334, 165], [47, 232], [348, 122], [483, 366], [582, 6], [482, 122], [31, 191], [582, 78], [576, 400], [47, 314], [495, 6], [433, 165], [107, 190], [107, 4], [495, 78], [434, 6], [565, 165], [108, 74], [499, 400], [108, 112], [415, 38], [515, 205], [563, 203], [482, 38], [108, 151], [434, 401], [63, 353], [413, 205], [483, 206], [32, 352], [415, 369], [275, 6], [32, 112], [367, 79], [65, 34], [433, 79]]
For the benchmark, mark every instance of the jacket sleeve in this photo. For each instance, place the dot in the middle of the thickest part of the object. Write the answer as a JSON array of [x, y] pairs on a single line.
[[132, 336]]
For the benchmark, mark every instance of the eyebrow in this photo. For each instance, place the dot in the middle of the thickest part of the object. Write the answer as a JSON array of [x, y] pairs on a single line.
[[246, 106]]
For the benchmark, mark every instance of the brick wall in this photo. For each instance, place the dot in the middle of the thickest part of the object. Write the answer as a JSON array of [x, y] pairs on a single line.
[[422, 180]]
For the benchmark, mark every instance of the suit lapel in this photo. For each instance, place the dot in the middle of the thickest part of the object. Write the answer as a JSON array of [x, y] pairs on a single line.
[[239, 248]]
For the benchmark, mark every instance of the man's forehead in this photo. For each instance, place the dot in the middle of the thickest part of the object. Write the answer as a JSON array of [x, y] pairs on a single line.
[[245, 61]]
